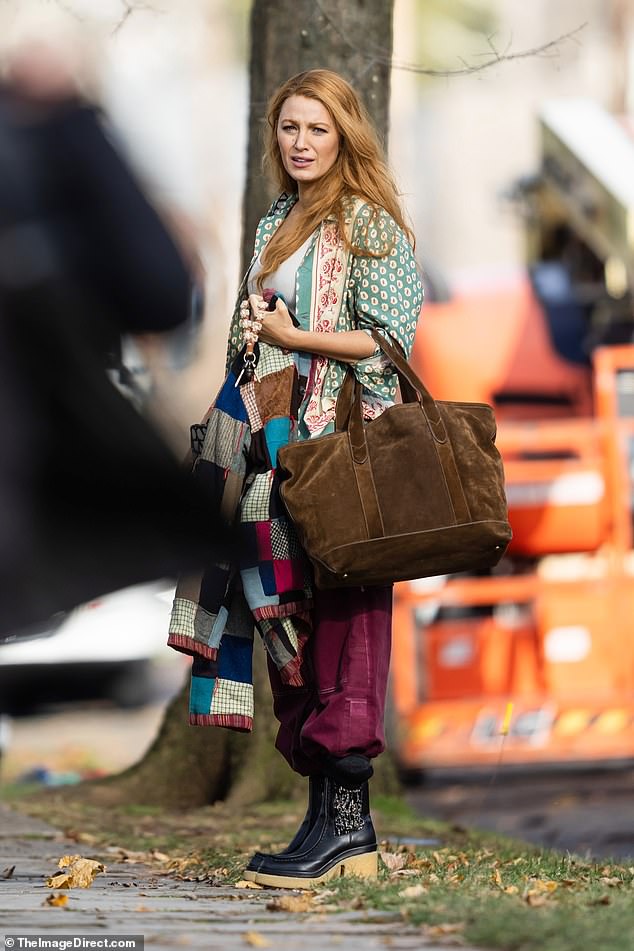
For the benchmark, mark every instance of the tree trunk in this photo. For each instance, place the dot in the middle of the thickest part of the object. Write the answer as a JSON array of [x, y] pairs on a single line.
[[185, 766]]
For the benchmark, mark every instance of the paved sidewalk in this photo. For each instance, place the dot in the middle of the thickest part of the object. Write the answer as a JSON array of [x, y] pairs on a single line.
[[172, 914]]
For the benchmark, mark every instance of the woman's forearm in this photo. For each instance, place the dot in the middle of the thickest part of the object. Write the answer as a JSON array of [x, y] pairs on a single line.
[[348, 346]]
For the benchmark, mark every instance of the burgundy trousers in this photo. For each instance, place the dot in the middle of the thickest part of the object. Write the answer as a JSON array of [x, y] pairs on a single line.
[[341, 708]]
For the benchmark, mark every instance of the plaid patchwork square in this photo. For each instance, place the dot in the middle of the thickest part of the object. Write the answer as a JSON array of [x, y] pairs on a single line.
[[248, 396], [183, 615], [273, 359], [284, 541], [232, 698], [224, 442], [255, 504]]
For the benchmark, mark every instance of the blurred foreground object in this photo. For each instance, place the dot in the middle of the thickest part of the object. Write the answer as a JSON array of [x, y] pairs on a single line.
[[91, 499]]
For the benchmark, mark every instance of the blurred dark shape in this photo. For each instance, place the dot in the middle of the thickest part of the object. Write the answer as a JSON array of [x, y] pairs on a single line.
[[91, 499]]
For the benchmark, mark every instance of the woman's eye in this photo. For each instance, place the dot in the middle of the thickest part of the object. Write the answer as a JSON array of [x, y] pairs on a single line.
[[317, 129], [288, 128]]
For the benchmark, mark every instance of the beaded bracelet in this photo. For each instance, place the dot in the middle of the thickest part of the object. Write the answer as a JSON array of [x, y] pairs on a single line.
[[250, 332]]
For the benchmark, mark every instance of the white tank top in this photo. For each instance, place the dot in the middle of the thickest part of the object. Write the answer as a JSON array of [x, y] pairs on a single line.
[[283, 280]]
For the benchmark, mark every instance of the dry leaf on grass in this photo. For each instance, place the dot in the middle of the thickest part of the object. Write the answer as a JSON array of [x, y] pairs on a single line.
[[413, 891], [256, 940], [292, 903], [76, 872], [56, 901], [244, 883], [543, 885], [393, 860], [436, 931], [536, 899]]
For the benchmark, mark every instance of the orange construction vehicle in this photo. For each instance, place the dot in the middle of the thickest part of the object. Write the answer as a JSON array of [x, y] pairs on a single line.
[[534, 663]]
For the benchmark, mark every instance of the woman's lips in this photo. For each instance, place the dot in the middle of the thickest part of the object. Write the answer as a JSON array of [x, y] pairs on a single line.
[[296, 160]]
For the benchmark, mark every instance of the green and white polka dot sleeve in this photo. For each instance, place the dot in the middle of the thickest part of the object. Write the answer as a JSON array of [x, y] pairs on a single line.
[[386, 291]]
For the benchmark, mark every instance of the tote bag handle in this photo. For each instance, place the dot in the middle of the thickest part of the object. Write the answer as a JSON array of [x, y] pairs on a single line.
[[349, 416]]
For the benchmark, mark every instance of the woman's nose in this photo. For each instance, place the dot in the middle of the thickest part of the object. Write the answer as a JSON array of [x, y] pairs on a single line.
[[300, 139]]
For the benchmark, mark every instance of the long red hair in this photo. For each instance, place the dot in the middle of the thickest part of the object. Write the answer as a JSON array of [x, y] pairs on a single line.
[[360, 168]]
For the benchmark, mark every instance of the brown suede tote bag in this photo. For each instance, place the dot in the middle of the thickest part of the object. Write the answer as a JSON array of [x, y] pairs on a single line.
[[418, 491]]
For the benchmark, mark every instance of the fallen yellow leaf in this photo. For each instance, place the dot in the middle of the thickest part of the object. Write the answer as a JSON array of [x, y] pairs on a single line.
[[535, 899], [159, 856], [56, 901], [256, 940], [243, 883], [443, 929], [393, 860], [292, 903], [511, 890], [413, 891], [67, 860], [76, 872], [542, 885]]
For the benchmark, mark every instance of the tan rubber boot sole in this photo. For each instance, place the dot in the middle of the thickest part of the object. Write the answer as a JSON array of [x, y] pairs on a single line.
[[363, 866], [248, 876]]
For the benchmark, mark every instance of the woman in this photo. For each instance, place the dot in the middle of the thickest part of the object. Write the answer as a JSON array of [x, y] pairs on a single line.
[[335, 248]]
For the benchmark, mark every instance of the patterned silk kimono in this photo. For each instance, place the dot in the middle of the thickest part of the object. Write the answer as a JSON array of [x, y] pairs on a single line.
[[293, 397]]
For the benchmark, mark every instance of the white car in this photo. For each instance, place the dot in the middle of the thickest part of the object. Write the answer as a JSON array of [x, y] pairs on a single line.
[[103, 648]]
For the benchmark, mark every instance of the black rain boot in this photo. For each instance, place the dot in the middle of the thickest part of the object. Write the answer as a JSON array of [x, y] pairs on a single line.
[[315, 796], [342, 841]]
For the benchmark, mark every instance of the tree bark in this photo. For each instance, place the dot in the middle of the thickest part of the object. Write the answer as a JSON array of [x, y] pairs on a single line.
[[187, 767], [289, 36]]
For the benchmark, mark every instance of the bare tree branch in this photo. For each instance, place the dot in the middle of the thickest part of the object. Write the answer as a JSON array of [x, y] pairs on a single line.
[[494, 57], [133, 6], [72, 13]]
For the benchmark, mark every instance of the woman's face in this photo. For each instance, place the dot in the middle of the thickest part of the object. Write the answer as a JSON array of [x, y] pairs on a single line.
[[307, 138]]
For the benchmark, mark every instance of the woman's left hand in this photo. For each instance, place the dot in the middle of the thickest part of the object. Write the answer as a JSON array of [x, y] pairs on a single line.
[[277, 326]]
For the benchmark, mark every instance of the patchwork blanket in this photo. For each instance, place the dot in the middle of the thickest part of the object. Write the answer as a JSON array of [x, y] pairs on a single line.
[[215, 612]]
